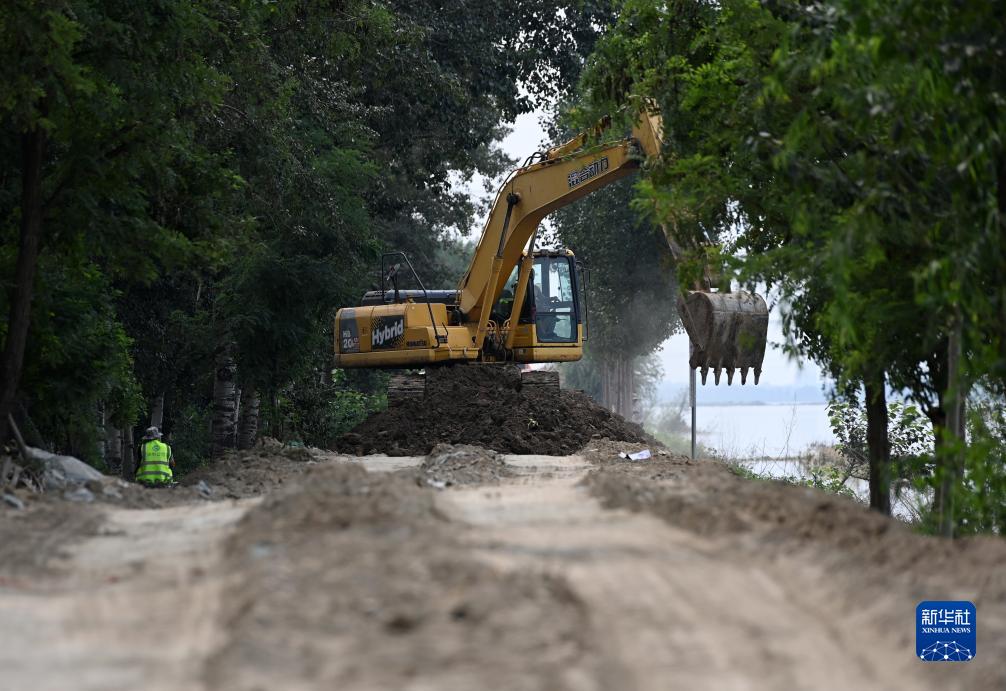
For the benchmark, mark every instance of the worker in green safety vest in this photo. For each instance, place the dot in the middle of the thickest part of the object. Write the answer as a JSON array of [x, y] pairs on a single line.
[[155, 462]]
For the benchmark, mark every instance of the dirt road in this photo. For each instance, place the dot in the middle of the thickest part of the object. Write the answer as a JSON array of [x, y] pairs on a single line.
[[132, 606], [574, 572]]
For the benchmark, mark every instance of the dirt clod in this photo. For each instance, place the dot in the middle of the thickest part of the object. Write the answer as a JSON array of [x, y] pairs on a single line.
[[450, 465], [486, 405]]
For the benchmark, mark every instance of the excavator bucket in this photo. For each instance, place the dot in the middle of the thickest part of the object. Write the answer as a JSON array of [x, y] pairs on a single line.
[[728, 331]]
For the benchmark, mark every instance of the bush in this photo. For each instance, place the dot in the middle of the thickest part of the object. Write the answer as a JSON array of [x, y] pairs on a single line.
[[190, 438], [317, 413], [980, 498], [909, 433]]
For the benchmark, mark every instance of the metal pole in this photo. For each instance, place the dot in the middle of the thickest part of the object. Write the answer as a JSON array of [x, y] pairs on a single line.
[[691, 398]]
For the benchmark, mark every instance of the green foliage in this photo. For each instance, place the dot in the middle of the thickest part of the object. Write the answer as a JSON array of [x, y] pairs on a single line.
[[317, 412], [848, 153], [813, 135], [80, 364], [190, 438], [825, 478], [222, 172], [981, 495], [909, 433]]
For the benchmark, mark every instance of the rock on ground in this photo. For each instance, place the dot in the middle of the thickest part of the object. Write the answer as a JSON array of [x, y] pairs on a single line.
[[448, 465], [61, 471]]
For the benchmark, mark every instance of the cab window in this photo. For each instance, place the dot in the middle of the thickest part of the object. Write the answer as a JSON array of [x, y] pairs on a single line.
[[555, 309]]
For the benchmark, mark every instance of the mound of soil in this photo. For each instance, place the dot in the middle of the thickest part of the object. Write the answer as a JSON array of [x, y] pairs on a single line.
[[250, 473], [450, 465], [486, 405], [352, 580]]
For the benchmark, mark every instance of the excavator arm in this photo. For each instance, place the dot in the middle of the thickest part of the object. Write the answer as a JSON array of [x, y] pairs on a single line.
[[727, 330]]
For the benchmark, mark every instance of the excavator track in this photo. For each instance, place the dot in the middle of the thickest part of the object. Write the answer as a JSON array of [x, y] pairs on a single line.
[[540, 378], [406, 386]]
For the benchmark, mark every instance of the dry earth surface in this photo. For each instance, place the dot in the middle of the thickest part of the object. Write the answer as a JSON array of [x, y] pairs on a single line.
[[472, 569]]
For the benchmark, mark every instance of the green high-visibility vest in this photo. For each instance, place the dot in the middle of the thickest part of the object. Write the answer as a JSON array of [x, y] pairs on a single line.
[[154, 467]]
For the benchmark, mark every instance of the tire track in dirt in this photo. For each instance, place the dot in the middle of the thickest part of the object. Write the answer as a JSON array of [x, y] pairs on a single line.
[[353, 580], [671, 609], [135, 606]]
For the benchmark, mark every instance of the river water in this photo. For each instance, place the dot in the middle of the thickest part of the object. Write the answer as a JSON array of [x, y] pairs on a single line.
[[762, 431], [766, 439]]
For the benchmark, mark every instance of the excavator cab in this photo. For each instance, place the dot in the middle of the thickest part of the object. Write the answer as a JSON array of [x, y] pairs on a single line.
[[550, 323], [556, 305]]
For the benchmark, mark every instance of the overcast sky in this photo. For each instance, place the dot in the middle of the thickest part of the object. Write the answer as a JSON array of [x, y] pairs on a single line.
[[778, 370]]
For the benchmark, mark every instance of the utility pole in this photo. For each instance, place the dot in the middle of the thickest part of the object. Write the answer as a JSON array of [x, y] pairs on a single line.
[[691, 400]]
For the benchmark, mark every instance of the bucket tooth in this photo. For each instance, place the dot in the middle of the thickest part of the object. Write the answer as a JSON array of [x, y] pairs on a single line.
[[757, 374], [744, 375], [705, 373], [716, 375], [730, 376]]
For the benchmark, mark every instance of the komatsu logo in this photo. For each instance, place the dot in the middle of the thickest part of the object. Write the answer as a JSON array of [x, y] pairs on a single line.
[[388, 332]]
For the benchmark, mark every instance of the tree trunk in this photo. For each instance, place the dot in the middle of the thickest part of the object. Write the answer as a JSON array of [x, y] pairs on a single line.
[[879, 445], [102, 447], [224, 403], [128, 454], [248, 422], [157, 411], [950, 461], [616, 385], [236, 415], [628, 387], [113, 448], [32, 154], [275, 416], [1001, 206], [937, 415], [605, 385]]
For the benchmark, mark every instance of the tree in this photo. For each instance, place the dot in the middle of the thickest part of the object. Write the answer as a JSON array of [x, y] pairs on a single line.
[[36, 50], [196, 176], [810, 134], [92, 101]]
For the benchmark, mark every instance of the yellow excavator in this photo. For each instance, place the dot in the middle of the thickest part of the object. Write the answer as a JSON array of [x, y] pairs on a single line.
[[519, 304]]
